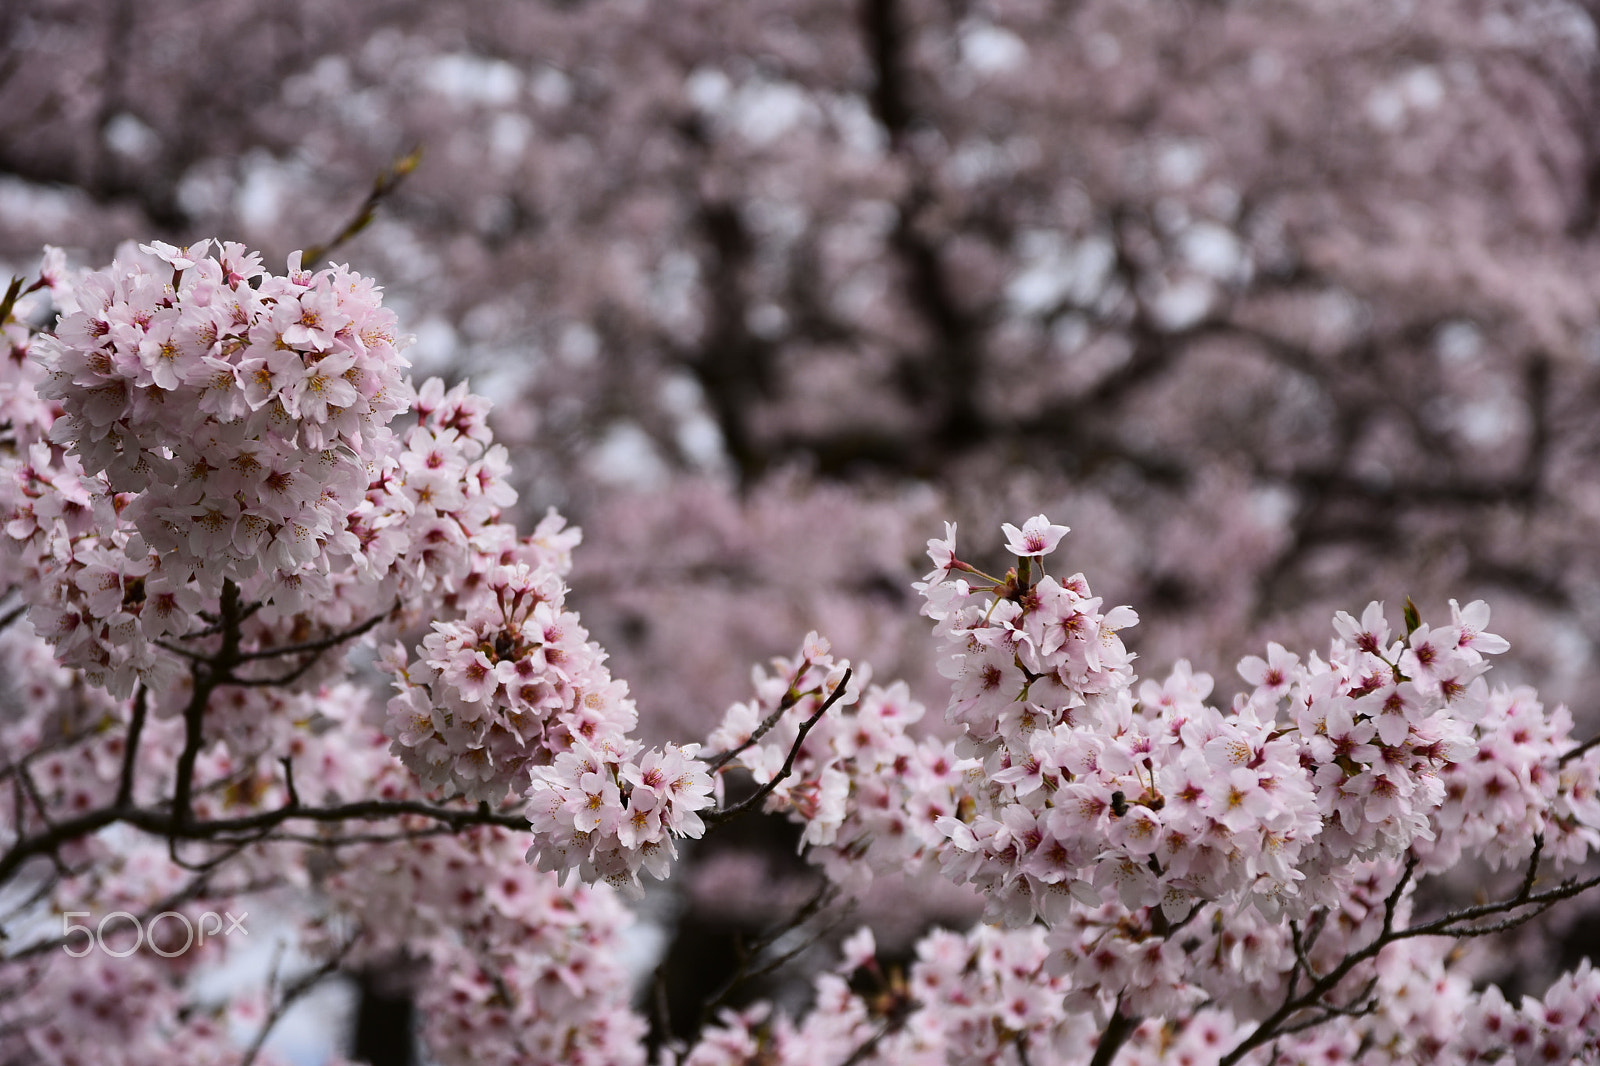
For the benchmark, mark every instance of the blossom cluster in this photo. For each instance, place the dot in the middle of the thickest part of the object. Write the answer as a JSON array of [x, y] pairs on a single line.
[[1165, 800], [518, 969], [966, 998], [511, 698], [1518, 788], [604, 811], [1171, 871], [495, 692], [868, 794], [218, 421], [990, 996], [510, 967]]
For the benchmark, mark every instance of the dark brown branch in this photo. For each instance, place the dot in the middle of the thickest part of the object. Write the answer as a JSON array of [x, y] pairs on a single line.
[[293, 800], [206, 677], [1580, 751], [322, 644], [362, 810], [130, 747], [49, 842], [1454, 924], [12, 615], [166, 824], [350, 840], [216, 625], [1116, 1033]]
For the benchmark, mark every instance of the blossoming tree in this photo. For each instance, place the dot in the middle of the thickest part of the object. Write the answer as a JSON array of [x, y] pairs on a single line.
[[233, 519], [1296, 299]]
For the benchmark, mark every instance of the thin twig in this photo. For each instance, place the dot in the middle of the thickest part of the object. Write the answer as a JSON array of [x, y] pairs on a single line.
[[1454, 924], [12, 615], [383, 186], [728, 813], [322, 643], [1579, 751], [291, 994], [1533, 867], [790, 698], [817, 901]]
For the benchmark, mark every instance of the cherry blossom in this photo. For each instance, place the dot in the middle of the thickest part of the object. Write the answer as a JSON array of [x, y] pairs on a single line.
[[208, 510]]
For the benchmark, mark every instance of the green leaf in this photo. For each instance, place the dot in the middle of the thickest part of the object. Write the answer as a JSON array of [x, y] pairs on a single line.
[[1413, 619]]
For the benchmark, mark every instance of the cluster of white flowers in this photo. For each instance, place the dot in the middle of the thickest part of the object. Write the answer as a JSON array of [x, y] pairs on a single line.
[[1516, 789], [1165, 800], [511, 697], [994, 996], [868, 795], [605, 810], [967, 998], [528, 971], [498, 691], [201, 475], [219, 421]]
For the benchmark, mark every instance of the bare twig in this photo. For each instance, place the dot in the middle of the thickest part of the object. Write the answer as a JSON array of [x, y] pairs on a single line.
[[790, 698], [383, 186], [818, 900], [12, 615], [1533, 867]]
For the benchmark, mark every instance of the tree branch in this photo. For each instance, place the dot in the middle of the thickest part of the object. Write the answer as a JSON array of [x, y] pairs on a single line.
[[1116, 1033], [1454, 924], [292, 994], [322, 644], [383, 186], [728, 813], [130, 749]]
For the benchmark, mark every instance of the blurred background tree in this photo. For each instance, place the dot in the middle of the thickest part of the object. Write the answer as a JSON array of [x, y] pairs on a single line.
[[1283, 304]]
